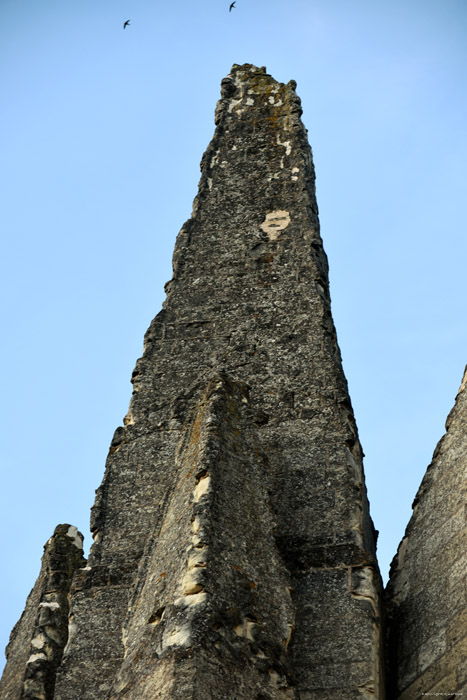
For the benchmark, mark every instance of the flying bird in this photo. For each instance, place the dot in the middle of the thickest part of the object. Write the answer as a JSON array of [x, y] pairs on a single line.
[[126, 24], [232, 4]]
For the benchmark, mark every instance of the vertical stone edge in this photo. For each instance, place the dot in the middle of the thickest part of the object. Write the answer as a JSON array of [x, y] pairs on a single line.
[[212, 617], [37, 641], [425, 598]]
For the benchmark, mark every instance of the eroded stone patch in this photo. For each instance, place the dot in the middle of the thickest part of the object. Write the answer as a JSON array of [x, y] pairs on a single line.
[[275, 222]]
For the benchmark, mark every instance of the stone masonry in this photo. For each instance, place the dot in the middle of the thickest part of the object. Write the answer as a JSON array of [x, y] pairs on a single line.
[[426, 594], [234, 554], [37, 641]]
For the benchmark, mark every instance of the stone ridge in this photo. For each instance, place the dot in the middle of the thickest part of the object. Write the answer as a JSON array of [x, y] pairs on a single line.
[[425, 596], [216, 612], [249, 301], [38, 639]]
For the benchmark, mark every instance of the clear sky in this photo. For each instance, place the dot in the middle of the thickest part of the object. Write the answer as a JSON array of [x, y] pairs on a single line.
[[102, 131]]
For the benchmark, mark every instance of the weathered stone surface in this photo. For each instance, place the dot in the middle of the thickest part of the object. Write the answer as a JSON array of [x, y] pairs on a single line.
[[426, 597], [37, 641], [249, 304], [213, 599]]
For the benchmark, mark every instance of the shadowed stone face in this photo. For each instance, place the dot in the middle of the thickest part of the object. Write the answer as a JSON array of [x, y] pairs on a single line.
[[233, 550], [425, 597]]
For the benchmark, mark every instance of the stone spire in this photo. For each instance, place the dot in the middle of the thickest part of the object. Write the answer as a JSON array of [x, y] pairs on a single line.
[[233, 553], [427, 611]]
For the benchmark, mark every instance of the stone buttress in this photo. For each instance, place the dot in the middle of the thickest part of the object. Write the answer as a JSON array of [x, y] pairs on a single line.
[[234, 554], [426, 594], [37, 641], [213, 602]]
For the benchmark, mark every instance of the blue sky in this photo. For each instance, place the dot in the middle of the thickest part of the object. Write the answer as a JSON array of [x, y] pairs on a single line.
[[102, 131]]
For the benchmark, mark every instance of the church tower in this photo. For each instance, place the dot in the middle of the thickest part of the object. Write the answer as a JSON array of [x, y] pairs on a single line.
[[234, 554]]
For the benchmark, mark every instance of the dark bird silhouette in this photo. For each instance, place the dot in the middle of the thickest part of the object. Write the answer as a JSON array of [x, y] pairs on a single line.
[[232, 4], [126, 24]]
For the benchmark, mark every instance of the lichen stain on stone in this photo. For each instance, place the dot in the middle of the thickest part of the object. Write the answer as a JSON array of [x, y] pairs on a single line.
[[77, 538], [272, 101], [274, 222], [196, 430], [286, 144], [235, 103]]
